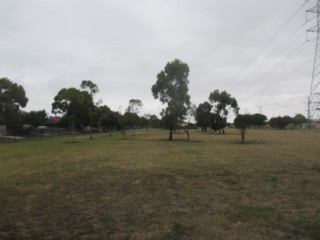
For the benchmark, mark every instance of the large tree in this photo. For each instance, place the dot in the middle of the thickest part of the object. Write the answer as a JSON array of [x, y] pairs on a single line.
[[131, 115], [92, 89], [108, 119], [12, 96], [171, 88], [202, 117], [71, 103], [223, 103]]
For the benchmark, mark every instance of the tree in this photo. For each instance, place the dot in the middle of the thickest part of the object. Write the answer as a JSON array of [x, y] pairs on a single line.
[[71, 103], [273, 122], [131, 115], [34, 118], [13, 121], [110, 121], [134, 106], [258, 120], [150, 120], [154, 121], [191, 112], [131, 120], [12, 96], [218, 123], [280, 122], [171, 88], [299, 119], [106, 119], [145, 120], [123, 120], [223, 103], [242, 122], [203, 115], [92, 89]]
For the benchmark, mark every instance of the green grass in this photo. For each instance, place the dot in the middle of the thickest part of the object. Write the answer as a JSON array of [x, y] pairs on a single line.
[[146, 187]]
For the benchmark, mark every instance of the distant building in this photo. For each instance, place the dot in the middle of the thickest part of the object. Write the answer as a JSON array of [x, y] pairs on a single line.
[[312, 125], [53, 121]]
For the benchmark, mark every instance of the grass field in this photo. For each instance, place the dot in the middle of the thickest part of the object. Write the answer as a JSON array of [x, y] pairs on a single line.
[[146, 187]]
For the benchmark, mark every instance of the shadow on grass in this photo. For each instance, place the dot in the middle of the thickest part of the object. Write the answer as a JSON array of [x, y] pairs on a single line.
[[245, 213], [178, 231], [307, 227], [248, 142], [227, 133], [176, 140], [11, 140]]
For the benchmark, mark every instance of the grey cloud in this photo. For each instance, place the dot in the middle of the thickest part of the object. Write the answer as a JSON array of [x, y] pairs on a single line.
[[122, 45]]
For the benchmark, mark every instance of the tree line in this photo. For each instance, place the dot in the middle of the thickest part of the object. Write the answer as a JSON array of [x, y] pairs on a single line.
[[77, 108], [80, 111]]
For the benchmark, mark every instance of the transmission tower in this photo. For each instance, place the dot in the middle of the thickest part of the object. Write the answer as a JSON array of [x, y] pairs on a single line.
[[314, 96]]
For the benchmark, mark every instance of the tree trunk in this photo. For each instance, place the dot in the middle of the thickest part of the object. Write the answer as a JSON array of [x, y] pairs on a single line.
[[71, 132], [171, 128], [188, 135], [243, 132], [124, 134], [170, 135], [90, 128]]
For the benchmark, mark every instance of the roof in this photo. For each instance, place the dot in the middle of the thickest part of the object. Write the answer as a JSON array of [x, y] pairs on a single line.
[[53, 120]]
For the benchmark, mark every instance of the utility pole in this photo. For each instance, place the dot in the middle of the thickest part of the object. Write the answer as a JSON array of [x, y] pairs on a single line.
[[314, 95]]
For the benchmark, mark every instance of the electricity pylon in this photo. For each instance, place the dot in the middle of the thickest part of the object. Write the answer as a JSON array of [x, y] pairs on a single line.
[[314, 96]]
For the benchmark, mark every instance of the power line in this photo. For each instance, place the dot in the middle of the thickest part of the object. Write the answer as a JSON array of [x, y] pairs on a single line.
[[277, 81], [270, 57], [279, 65], [270, 40]]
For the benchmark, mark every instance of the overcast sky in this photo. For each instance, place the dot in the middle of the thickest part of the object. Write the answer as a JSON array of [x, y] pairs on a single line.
[[254, 49]]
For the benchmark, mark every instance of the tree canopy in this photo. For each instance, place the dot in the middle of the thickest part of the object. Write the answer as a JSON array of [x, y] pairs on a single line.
[[203, 113], [12, 96], [243, 122], [108, 119], [92, 89], [34, 118], [72, 103], [171, 88], [223, 103], [134, 106], [282, 122], [258, 120]]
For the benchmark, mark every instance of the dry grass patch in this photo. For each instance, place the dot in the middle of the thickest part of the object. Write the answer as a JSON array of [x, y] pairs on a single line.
[[149, 188]]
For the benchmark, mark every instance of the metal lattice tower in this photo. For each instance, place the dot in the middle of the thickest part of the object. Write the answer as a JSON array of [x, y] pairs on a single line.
[[314, 97]]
